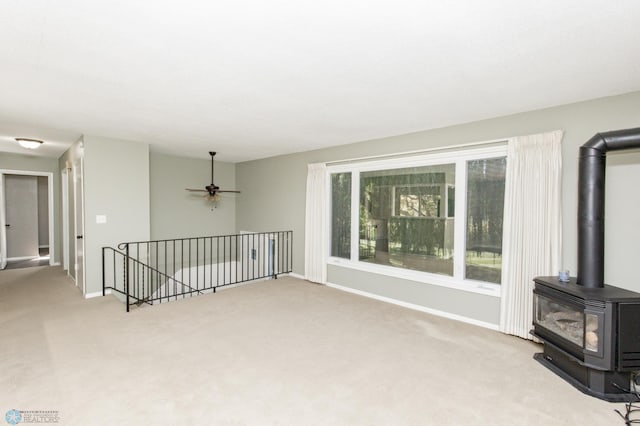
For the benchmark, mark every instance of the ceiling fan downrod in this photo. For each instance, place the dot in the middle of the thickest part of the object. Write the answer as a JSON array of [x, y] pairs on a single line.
[[212, 154]]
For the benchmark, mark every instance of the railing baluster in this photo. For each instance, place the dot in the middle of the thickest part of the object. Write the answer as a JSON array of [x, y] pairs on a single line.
[[157, 266], [236, 259], [182, 266], [126, 273], [217, 261], [258, 254], [211, 263], [197, 263], [114, 268], [103, 275]]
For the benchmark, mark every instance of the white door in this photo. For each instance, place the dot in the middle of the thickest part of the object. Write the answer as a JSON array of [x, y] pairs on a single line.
[[65, 219], [79, 225], [71, 207], [21, 198], [3, 226]]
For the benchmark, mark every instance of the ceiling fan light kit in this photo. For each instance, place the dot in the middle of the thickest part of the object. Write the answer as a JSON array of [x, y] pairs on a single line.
[[213, 191]]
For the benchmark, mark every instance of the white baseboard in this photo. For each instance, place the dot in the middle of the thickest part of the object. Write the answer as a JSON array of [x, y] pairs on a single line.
[[17, 259], [417, 307], [54, 264], [95, 294], [294, 275]]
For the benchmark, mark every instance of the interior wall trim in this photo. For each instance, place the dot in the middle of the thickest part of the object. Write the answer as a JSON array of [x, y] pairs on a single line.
[[444, 148], [95, 294], [20, 258]]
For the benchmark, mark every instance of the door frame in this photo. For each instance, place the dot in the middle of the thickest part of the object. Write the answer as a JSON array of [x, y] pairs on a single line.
[[64, 187], [78, 169], [3, 228], [3, 212]]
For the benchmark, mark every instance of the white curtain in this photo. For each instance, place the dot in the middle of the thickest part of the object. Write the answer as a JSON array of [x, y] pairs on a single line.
[[532, 226], [315, 237]]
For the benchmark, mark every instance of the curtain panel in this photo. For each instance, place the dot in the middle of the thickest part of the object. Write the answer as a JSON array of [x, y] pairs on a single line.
[[532, 226], [315, 268]]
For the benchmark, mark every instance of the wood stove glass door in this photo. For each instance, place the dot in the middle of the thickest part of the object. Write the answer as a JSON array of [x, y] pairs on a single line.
[[561, 319]]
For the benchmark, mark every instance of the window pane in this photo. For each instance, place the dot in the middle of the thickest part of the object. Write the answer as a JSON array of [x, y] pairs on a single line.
[[406, 218], [341, 215], [485, 204]]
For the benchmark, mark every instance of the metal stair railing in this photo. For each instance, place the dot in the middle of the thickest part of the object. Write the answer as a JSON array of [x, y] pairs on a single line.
[[139, 281], [165, 270]]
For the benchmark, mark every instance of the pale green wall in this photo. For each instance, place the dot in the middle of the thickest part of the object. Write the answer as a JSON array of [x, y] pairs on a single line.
[[274, 194], [116, 184], [116, 176], [40, 164], [176, 213]]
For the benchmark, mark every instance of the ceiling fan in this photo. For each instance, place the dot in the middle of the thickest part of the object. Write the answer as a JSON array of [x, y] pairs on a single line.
[[212, 190]]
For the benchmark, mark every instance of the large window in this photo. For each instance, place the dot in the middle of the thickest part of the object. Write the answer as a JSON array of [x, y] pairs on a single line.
[[485, 205], [439, 215], [403, 218], [341, 215]]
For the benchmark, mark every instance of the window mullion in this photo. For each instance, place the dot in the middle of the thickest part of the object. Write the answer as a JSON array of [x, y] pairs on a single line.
[[328, 218], [355, 215], [459, 235]]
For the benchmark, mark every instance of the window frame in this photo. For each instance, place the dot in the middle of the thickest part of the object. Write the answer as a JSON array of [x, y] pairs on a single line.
[[459, 157]]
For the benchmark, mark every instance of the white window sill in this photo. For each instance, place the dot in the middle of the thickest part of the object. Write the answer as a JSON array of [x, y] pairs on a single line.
[[488, 289]]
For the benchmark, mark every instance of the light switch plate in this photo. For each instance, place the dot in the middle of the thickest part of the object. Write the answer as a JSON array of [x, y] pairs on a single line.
[[101, 218]]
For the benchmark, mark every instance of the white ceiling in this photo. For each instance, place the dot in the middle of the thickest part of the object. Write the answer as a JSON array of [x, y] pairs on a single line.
[[253, 79]]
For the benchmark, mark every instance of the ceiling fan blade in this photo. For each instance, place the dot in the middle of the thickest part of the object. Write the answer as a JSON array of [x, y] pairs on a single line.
[[196, 190], [228, 190]]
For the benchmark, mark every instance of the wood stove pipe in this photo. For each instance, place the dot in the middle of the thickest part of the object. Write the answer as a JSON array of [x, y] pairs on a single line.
[[591, 186]]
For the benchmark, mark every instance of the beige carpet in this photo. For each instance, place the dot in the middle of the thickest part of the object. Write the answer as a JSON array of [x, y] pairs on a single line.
[[282, 352]]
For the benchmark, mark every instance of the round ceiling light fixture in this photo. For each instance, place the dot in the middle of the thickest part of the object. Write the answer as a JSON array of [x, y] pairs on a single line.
[[29, 143]]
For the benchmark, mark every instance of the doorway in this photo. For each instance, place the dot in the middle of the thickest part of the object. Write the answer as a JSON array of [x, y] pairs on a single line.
[[26, 219]]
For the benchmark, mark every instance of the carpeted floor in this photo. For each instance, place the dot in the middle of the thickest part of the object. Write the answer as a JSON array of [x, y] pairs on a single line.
[[282, 352]]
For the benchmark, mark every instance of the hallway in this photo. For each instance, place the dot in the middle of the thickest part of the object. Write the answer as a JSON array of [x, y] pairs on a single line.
[[42, 260]]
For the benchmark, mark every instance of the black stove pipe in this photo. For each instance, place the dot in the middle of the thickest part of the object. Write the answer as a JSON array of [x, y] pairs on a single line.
[[591, 179]]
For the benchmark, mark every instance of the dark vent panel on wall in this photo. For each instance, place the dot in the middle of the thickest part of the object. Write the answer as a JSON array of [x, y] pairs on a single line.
[[628, 330]]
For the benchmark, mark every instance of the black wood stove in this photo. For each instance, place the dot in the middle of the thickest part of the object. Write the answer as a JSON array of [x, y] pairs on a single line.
[[590, 330]]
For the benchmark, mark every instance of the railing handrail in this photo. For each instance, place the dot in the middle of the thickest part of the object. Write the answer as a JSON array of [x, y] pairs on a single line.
[[121, 246], [133, 259], [160, 273]]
